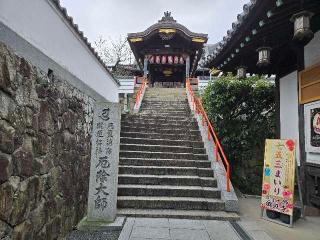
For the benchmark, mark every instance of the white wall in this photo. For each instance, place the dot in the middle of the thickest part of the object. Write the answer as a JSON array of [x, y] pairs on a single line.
[[42, 25], [312, 51], [312, 57], [289, 118]]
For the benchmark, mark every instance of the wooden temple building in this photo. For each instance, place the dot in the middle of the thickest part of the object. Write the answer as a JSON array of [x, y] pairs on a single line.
[[282, 37], [167, 52]]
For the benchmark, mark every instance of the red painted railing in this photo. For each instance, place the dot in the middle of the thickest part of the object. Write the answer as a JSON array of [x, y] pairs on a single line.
[[199, 110], [141, 90]]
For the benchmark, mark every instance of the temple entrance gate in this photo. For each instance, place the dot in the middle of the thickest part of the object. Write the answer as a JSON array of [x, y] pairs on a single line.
[[167, 52]]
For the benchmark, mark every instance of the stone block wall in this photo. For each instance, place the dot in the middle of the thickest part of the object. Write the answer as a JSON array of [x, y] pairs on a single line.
[[45, 127]]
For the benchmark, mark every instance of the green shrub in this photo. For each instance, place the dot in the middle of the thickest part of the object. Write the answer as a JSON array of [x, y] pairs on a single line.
[[242, 112]]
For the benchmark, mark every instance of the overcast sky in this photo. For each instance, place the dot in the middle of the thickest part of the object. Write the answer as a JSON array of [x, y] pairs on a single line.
[[115, 17]]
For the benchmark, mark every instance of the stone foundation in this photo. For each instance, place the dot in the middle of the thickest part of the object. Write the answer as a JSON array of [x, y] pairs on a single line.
[[45, 126]]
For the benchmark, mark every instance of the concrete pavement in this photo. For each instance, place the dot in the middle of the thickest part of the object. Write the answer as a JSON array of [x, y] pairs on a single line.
[[177, 229]]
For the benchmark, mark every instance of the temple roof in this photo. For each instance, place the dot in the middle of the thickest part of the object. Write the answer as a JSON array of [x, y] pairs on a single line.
[[168, 37], [167, 21], [262, 23]]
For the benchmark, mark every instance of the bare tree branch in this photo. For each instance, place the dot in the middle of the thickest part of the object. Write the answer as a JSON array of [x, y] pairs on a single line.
[[114, 52]]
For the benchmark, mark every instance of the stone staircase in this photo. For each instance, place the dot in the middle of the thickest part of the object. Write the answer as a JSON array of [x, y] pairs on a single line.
[[164, 170]]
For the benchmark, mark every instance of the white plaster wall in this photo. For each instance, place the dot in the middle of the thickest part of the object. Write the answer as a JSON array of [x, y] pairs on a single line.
[[312, 57], [289, 118], [312, 51], [43, 26]]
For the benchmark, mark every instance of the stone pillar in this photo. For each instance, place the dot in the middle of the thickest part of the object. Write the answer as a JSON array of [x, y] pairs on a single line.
[[188, 66], [145, 66], [103, 185]]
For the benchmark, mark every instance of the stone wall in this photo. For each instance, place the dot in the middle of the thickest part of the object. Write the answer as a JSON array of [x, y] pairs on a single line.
[[45, 127]]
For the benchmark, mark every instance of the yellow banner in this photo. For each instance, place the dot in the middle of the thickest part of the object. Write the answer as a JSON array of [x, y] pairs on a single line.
[[278, 176]]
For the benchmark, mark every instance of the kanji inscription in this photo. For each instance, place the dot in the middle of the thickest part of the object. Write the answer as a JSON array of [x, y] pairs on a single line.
[[104, 162], [278, 176]]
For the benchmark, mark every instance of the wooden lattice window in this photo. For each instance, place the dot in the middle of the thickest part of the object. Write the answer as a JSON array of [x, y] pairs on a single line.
[[309, 84]]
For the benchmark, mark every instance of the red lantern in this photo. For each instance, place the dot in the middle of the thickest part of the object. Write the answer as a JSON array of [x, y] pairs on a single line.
[[181, 60], [158, 60], [151, 60], [164, 59], [170, 59], [176, 60]]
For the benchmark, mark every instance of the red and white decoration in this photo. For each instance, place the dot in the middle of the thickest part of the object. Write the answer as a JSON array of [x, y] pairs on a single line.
[[158, 59], [151, 59], [181, 60], [165, 59], [176, 60]]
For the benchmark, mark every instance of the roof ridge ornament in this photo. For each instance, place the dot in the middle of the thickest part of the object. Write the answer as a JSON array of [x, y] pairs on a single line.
[[167, 17]]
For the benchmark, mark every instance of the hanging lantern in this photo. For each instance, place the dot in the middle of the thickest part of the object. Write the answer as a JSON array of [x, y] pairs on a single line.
[[302, 30], [176, 60], [170, 59], [151, 60], [241, 72], [264, 56], [158, 59], [181, 60], [164, 59]]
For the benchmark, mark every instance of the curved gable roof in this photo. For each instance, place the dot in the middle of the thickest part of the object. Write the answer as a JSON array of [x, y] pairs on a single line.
[[167, 21]]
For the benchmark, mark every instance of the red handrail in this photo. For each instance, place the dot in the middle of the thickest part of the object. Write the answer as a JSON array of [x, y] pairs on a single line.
[[199, 109], [140, 91]]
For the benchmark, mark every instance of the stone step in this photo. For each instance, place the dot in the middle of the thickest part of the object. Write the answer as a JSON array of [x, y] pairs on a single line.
[[184, 127], [164, 162], [138, 128], [172, 180], [165, 170], [163, 155], [147, 141], [165, 110], [165, 113], [179, 214], [182, 203], [169, 136], [143, 121], [161, 148], [168, 108], [158, 117], [168, 191], [164, 101], [180, 107]]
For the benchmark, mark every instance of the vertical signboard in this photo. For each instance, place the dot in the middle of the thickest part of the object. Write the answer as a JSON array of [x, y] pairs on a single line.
[[102, 199], [278, 176], [312, 119]]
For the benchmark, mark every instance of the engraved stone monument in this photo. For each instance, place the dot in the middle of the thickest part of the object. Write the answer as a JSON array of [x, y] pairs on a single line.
[[102, 199]]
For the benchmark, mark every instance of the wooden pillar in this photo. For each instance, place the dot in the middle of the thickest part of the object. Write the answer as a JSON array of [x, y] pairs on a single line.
[[303, 155], [277, 99]]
